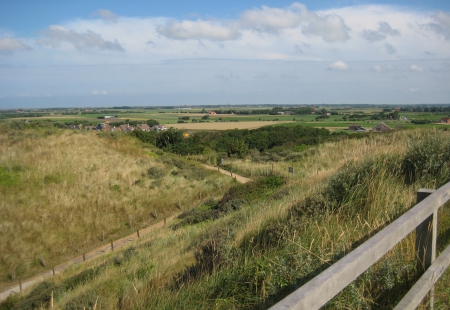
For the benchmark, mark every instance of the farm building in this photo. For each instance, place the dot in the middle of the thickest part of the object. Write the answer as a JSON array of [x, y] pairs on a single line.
[[382, 127], [354, 127], [445, 120]]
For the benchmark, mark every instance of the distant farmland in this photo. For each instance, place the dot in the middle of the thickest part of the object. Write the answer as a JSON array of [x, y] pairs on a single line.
[[224, 125]]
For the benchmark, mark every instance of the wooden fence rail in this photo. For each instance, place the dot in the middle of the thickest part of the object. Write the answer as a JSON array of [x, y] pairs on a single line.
[[422, 217]]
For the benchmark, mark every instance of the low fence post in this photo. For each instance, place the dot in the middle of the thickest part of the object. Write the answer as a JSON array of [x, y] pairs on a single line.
[[426, 235]]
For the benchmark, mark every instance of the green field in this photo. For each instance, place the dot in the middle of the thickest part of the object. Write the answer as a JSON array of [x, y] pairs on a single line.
[[169, 116]]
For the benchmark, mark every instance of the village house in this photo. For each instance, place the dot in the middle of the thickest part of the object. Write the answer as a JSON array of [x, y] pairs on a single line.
[[445, 120], [158, 127], [143, 127], [75, 127], [382, 127], [126, 128]]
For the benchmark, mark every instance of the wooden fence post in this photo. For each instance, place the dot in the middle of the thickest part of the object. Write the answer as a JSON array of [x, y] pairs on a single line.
[[84, 257], [426, 235], [112, 245], [138, 234], [53, 270], [20, 285]]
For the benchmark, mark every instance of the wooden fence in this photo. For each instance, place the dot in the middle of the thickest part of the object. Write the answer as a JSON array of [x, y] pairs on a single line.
[[422, 218]]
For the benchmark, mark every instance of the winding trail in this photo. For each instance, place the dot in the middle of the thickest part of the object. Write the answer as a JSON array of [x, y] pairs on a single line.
[[238, 177], [105, 248]]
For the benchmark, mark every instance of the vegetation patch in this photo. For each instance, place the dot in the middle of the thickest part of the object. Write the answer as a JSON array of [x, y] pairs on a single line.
[[9, 176]]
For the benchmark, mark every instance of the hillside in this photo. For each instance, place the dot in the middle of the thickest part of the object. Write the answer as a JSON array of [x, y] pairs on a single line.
[[244, 247], [65, 192]]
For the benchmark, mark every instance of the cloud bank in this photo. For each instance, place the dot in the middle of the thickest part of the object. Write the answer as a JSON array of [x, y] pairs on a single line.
[[10, 45], [55, 35]]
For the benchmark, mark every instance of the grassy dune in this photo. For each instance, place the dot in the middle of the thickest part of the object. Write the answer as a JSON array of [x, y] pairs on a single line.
[[277, 238], [64, 191]]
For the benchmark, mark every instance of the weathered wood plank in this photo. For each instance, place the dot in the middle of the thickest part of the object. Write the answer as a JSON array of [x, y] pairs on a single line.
[[329, 283], [426, 282]]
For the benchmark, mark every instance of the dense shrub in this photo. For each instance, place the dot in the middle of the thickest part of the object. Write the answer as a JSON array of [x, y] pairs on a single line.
[[428, 159], [39, 297], [156, 173]]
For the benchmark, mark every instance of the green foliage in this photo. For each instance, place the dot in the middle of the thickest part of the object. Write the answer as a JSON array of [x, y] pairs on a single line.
[[84, 301], [240, 142], [428, 159], [168, 138], [8, 177], [145, 136], [152, 122], [156, 173], [39, 297], [252, 191], [301, 148], [82, 277]]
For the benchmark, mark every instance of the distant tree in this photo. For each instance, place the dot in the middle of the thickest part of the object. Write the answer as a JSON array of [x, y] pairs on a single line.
[[152, 122], [205, 117], [168, 138]]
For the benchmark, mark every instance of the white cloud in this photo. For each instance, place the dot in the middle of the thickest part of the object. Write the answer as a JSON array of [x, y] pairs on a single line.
[[197, 30], [106, 15], [384, 29], [273, 20], [96, 92], [330, 27], [55, 35], [416, 68], [338, 66], [441, 24], [10, 45], [413, 90]]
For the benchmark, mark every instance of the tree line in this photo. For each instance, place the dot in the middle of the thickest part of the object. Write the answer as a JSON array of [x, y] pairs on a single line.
[[234, 142]]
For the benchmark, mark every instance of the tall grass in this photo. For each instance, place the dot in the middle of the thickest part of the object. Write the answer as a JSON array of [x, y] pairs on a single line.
[[64, 191], [254, 256]]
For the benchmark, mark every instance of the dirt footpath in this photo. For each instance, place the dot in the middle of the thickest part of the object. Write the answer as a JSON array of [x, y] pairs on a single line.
[[238, 178]]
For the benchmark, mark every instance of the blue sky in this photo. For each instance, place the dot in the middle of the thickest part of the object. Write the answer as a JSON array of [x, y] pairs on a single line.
[[106, 53]]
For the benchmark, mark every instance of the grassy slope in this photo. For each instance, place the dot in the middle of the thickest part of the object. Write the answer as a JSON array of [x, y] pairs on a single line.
[[62, 189], [261, 251]]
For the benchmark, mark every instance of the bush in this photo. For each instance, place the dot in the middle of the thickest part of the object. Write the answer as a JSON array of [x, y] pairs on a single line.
[[155, 173], [428, 159], [39, 297]]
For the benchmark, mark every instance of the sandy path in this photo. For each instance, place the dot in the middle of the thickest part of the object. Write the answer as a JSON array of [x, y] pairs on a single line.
[[238, 178], [105, 248]]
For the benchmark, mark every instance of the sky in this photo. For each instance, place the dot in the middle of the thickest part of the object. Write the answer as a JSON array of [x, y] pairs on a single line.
[[159, 53]]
